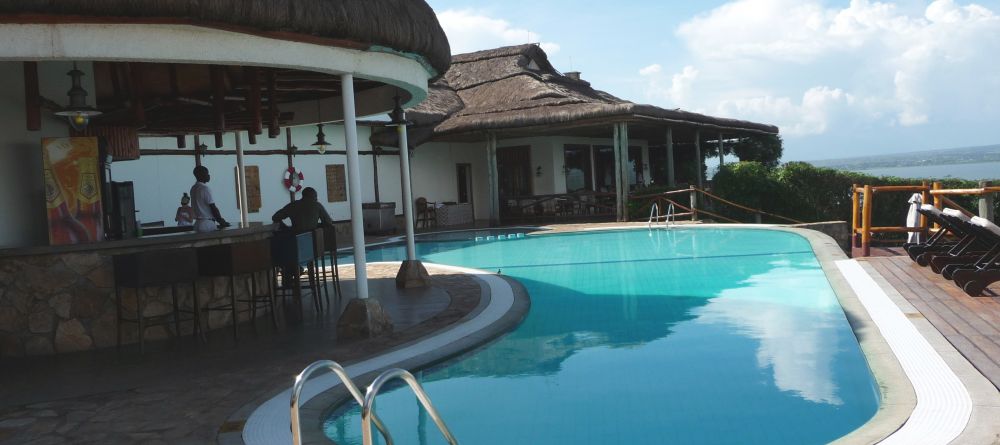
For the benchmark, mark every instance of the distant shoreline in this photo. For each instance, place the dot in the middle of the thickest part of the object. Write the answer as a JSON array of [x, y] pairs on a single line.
[[966, 170]]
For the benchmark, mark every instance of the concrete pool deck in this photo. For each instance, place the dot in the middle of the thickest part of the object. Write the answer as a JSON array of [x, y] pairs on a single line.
[[204, 396]]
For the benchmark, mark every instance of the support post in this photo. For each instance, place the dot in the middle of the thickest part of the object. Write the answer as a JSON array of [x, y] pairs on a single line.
[[363, 317], [694, 203], [288, 156], [986, 207], [494, 174], [197, 149], [412, 272], [617, 149], [241, 178], [623, 133], [866, 222], [722, 152], [32, 97], [925, 197], [855, 208], [671, 179], [698, 161], [938, 202]]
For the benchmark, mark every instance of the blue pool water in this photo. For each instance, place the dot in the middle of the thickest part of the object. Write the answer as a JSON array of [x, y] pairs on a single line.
[[681, 336]]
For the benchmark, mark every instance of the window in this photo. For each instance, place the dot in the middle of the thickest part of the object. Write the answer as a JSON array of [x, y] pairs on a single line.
[[576, 166]]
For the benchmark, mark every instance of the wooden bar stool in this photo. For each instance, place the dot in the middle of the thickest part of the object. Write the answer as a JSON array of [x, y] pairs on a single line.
[[318, 265], [330, 238], [290, 252], [166, 267], [249, 259]]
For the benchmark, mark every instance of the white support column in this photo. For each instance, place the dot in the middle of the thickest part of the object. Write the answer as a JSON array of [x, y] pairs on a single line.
[[354, 185], [241, 179], [671, 178], [722, 155], [494, 175], [627, 171], [404, 169], [698, 161], [617, 145]]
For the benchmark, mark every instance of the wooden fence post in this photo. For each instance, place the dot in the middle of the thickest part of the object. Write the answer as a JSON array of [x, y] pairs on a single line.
[[925, 197], [855, 240], [694, 204], [938, 202], [866, 223], [986, 209]]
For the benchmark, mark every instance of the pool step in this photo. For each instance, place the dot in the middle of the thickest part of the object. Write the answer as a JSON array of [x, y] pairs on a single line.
[[511, 236]]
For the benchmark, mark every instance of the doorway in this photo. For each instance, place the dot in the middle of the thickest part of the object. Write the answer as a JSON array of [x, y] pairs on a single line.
[[514, 168]]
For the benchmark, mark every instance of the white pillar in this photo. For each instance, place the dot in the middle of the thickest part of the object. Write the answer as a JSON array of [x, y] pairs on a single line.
[[404, 168], [617, 153], [241, 179], [722, 155], [354, 185], [671, 179], [627, 171], [697, 159], [494, 174]]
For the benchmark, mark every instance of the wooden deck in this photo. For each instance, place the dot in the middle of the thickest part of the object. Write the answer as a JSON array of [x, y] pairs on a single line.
[[971, 324]]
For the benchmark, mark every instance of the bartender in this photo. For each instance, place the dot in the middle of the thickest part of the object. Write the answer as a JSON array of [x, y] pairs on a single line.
[[206, 215]]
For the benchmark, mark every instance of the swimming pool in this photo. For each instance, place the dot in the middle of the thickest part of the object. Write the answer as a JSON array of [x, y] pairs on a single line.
[[711, 336]]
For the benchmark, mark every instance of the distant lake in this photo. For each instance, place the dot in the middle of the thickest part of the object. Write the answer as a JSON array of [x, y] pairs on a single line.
[[988, 170]]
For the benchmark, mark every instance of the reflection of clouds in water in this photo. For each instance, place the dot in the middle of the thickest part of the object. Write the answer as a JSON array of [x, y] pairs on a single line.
[[794, 314]]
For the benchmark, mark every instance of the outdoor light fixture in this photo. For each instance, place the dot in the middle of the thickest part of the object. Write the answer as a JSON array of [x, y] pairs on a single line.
[[397, 116], [201, 148], [77, 113], [320, 144]]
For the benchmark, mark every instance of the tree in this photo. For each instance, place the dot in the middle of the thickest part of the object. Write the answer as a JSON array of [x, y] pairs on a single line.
[[766, 149]]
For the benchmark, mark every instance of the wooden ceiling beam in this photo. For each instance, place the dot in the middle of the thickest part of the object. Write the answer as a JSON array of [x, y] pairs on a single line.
[[135, 93], [273, 129], [218, 76], [253, 101], [32, 97]]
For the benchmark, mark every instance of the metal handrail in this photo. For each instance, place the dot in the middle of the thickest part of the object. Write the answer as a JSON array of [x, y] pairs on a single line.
[[368, 408], [654, 212], [335, 367]]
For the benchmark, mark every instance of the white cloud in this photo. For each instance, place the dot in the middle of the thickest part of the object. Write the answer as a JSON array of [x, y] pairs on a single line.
[[470, 30], [870, 59]]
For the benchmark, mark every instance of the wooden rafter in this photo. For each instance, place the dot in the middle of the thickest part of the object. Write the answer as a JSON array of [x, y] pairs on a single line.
[[32, 98], [219, 101]]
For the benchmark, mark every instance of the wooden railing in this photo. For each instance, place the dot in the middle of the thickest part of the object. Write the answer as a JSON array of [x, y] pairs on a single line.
[[663, 200], [863, 201]]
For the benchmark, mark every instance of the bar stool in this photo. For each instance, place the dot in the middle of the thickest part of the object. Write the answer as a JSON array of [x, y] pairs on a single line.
[[246, 258], [290, 252], [318, 264], [330, 236], [167, 267]]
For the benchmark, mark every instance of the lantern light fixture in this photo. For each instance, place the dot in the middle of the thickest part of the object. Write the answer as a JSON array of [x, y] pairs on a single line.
[[78, 113], [320, 144]]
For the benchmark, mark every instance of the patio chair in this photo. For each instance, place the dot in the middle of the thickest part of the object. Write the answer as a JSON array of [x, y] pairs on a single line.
[[426, 213], [985, 271]]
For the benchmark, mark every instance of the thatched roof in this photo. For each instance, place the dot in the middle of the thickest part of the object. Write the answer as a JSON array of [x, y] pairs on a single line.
[[406, 26], [516, 87]]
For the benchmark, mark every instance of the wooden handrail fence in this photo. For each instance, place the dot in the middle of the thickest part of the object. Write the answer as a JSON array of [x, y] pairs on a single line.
[[863, 200], [662, 200]]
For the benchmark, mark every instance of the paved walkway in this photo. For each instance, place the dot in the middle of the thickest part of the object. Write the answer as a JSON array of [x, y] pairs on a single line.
[[183, 393]]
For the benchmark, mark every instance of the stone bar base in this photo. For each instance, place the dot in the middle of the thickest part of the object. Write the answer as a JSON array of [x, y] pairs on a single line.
[[363, 319], [412, 274]]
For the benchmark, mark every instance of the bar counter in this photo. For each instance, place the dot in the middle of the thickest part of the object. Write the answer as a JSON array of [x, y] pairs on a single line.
[[57, 299]]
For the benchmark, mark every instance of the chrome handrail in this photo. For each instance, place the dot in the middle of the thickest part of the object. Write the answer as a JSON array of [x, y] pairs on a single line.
[[368, 408], [335, 367], [654, 210]]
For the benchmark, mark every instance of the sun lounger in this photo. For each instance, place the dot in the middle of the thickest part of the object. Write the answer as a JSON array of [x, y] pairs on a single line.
[[966, 252], [975, 278], [942, 241]]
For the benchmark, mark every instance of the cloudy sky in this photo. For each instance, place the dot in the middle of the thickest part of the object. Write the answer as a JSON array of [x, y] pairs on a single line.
[[839, 78]]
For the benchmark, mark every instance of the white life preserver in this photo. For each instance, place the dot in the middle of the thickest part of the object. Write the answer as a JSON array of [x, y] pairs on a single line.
[[293, 180]]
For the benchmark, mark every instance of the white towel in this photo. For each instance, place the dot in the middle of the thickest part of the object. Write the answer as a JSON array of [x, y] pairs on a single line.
[[913, 218]]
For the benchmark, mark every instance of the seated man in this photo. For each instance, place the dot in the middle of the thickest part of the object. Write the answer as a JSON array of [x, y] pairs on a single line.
[[306, 213]]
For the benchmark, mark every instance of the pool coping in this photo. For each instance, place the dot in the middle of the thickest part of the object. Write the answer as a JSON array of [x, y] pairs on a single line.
[[268, 425]]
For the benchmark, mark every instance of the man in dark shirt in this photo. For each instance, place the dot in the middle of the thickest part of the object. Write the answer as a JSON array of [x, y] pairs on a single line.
[[306, 213]]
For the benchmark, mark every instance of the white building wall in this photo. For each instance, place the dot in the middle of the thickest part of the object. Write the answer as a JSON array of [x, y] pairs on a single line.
[[24, 222]]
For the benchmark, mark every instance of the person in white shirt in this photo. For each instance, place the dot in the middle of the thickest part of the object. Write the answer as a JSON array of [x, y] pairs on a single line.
[[206, 215]]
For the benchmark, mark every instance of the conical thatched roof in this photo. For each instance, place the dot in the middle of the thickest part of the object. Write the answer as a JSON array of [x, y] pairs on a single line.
[[516, 87], [408, 26]]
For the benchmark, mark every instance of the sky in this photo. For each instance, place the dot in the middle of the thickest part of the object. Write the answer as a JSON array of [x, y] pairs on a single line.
[[839, 78]]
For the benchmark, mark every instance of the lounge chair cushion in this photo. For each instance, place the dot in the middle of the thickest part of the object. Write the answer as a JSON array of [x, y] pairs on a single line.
[[957, 214], [930, 209], [986, 224]]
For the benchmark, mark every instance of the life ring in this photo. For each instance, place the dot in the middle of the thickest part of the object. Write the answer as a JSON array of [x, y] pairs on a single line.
[[293, 180]]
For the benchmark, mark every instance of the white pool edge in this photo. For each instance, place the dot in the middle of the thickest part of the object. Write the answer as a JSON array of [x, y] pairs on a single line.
[[944, 406], [269, 423]]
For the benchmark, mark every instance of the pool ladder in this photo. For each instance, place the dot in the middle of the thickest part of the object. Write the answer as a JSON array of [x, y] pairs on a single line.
[[667, 219], [367, 402]]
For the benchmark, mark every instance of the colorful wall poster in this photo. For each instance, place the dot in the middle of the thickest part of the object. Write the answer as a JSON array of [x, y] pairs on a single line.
[[72, 190]]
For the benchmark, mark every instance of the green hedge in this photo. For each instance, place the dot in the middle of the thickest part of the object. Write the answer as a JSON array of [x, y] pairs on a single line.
[[801, 191]]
